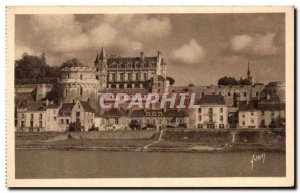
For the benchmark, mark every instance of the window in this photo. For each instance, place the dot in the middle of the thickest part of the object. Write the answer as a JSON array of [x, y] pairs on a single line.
[[22, 124], [113, 77], [263, 113], [244, 123], [210, 111], [221, 110], [23, 116], [137, 76], [41, 124], [66, 93], [252, 114], [31, 123], [80, 76], [200, 126], [54, 111], [130, 77], [81, 91], [221, 118], [31, 116], [202, 93], [200, 110], [243, 115], [245, 94], [54, 118], [145, 76], [272, 114], [62, 121], [252, 121], [256, 94], [228, 93], [122, 77], [116, 121], [210, 118], [77, 114], [40, 116], [67, 121], [221, 126], [200, 118]]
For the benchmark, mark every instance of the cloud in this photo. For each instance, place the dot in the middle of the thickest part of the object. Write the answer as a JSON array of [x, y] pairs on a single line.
[[190, 54], [66, 35], [256, 45], [153, 28]]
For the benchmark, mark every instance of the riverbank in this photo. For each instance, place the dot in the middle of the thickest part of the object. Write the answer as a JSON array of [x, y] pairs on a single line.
[[140, 145], [151, 141]]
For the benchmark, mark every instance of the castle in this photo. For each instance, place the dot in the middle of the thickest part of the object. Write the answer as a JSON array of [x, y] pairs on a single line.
[[79, 88]]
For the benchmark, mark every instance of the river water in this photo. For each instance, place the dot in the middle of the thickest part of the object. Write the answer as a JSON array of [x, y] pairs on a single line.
[[96, 164]]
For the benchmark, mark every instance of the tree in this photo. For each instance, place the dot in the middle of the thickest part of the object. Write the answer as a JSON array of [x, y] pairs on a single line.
[[75, 126], [191, 85], [171, 80], [224, 81], [71, 62], [30, 67], [245, 82], [134, 125]]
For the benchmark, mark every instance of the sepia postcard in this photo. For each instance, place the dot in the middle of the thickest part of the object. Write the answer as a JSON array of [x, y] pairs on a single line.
[[150, 97]]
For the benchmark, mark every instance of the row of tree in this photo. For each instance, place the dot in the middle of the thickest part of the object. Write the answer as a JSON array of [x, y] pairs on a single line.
[[34, 68], [224, 81]]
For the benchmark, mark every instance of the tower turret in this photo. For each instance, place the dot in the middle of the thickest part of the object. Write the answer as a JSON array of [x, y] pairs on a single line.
[[101, 66]]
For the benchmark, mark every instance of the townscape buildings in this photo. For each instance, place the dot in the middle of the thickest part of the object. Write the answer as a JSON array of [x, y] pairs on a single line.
[[79, 87]]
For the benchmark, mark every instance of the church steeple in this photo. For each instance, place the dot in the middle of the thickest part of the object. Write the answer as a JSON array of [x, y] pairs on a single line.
[[248, 72], [96, 60], [102, 53]]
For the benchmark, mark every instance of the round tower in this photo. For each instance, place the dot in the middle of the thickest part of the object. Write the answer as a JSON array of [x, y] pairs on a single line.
[[78, 83]]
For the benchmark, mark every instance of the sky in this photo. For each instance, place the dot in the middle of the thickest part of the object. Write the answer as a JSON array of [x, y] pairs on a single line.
[[198, 48]]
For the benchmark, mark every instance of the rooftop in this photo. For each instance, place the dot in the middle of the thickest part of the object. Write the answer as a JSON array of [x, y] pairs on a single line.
[[212, 99]]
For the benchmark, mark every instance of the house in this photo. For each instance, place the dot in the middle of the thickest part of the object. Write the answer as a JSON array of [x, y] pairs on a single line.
[[84, 113], [177, 118], [262, 114], [212, 113], [150, 119], [31, 116], [271, 114], [64, 116], [52, 117], [114, 119], [248, 114]]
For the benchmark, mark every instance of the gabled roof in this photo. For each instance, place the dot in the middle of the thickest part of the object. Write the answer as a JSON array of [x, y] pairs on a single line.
[[271, 106], [248, 106], [33, 105], [66, 109], [212, 99], [86, 106]]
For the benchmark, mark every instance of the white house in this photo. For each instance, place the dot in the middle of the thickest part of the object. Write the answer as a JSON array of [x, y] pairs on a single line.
[[213, 112]]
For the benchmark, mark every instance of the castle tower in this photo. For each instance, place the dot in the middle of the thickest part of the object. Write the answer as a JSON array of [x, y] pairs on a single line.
[[249, 77], [101, 67], [78, 82]]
